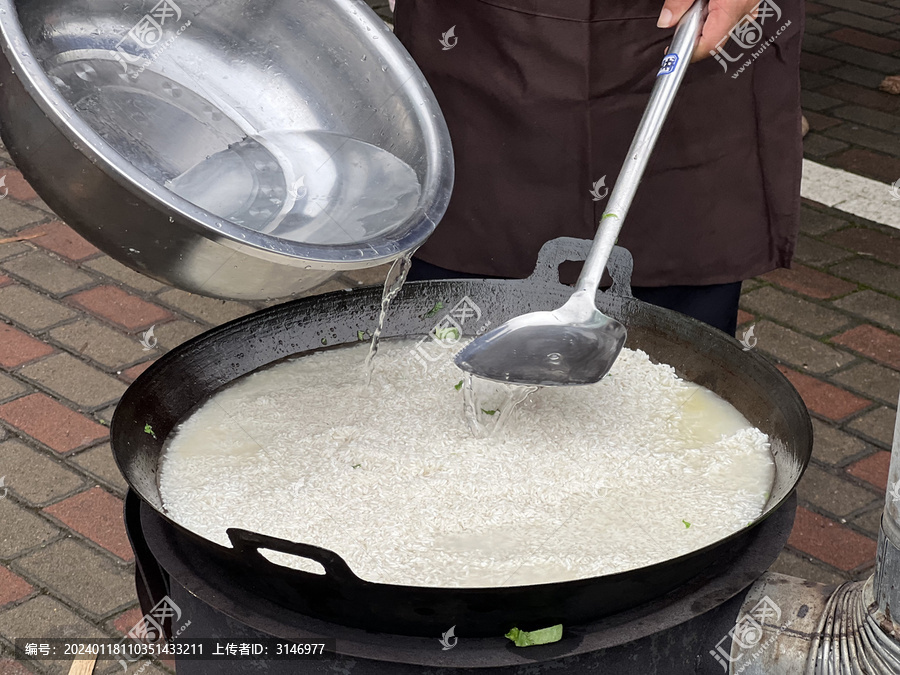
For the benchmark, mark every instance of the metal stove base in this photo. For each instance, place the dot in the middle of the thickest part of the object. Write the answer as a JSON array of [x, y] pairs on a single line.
[[673, 635]]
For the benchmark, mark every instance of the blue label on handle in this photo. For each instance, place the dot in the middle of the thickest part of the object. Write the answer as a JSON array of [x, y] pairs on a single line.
[[668, 64]]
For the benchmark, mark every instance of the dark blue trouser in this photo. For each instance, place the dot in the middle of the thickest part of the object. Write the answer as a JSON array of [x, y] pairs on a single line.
[[716, 305]]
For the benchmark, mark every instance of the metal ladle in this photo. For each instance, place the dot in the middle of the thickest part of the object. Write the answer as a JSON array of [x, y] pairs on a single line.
[[577, 343]]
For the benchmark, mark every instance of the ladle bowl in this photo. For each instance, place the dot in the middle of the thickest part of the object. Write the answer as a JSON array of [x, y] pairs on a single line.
[[237, 149]]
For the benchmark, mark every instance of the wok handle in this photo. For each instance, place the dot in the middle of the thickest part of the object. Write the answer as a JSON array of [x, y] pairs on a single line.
[[247, 545], [668, 80], [557, 251]]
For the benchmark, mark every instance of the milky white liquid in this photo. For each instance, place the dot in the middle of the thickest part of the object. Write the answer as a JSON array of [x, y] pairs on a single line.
[[581, 481]]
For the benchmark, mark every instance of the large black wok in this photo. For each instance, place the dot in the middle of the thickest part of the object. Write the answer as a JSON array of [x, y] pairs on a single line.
[[188, 375]]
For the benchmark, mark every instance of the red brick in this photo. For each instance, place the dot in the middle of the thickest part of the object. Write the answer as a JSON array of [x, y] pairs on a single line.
[[62, 240], [4, 280], [98, 516], [17, 185], [12, 587], [867, 163], [868, 98], [858, 38], [865, 240], [744, 317], [134, 372], [128, 620], [815, 63], [51, 423], [11, 667], [872, 469], [120, 308], [824, 539], [873, 342], [808, 281], [17, 347], [823, 398]]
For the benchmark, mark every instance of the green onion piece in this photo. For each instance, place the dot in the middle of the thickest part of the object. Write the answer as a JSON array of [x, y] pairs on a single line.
[[544, 636], [356, 466], [324, 341], [686, 524], [447, 333], [149, 430], [458, 385], [489, 412], [438, 306], [360, 335]]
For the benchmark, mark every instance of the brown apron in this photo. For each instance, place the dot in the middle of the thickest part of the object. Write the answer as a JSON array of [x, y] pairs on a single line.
[[542, 98]]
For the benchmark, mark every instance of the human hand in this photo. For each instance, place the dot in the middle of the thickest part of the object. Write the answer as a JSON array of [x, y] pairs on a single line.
[[723, 15]]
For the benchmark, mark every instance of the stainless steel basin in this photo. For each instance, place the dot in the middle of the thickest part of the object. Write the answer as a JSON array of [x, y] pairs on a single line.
[[245, 149]]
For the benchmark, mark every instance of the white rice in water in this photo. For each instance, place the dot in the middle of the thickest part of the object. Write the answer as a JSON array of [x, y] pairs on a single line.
[[582, 481]]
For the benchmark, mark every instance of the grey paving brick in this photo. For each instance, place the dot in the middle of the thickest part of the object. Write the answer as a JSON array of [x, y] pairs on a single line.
[[866, 59], [816, 44], [818, 146], [877, 425], [803, 567], [106, 346], [34, 311], [172, 334], [873, 306], [85, 577], [209, 310], [832, 494], [13, 249], [793, 311], [872, 118], [16, 216], [798, 350], [46, 617], [74, 380], [105, 415], [816, 253], [816, 223], [869, 272], [47, 273], [872, 381], [99, 462], [877, 11], [21, 530], [833, 446], [811, 100], [10, 388], [33, 476], [870, 521], [857, 75], [816, 26], [854, 20], [116, 270], [813, 81]]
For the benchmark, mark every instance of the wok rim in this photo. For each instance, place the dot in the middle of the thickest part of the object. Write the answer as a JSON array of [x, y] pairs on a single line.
[[804, 437]]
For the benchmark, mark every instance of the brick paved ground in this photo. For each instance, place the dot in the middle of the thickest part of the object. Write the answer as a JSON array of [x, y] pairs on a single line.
[[71, 319]]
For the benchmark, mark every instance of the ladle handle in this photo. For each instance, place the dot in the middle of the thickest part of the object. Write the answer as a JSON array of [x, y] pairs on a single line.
[[669, 78]]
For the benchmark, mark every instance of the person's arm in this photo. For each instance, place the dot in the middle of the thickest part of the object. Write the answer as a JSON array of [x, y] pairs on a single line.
[[723, 15]]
